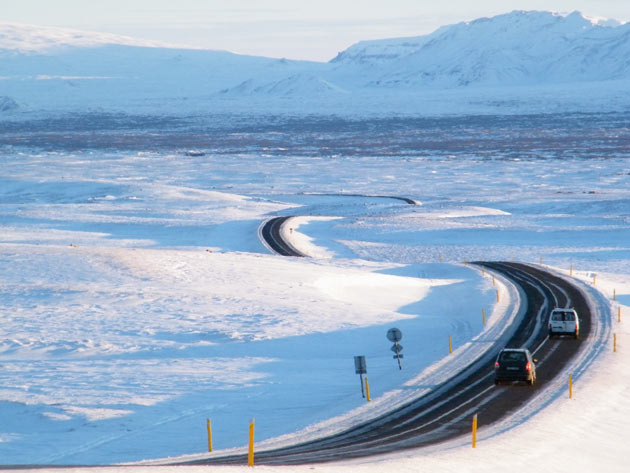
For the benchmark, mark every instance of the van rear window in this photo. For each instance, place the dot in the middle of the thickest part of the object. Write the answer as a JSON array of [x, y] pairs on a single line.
[[565, 316]]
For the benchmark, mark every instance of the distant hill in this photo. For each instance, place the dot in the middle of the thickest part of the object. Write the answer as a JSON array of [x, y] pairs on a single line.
[[489, 63], [7, 104], [522, 47]]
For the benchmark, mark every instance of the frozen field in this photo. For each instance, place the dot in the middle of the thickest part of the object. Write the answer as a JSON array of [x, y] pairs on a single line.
[[137, 299]]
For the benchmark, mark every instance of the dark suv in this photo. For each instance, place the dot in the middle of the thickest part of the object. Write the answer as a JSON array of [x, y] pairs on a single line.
[[515, 364]]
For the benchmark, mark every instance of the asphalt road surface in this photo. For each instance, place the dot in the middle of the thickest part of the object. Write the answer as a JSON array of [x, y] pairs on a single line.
[[446, 412], [270, 232]]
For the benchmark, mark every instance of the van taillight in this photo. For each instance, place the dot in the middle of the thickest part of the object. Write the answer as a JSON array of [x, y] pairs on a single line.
[[528, 366]]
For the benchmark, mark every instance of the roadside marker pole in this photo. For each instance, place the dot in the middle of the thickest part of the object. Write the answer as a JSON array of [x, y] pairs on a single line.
[[614, 294], [571, 270], [474, 432], [209, 427], [494, 283], [497, 295], [367, 389], [483, 315], [570, 387], [594, 279], [615, 343], [250, 454], [450, 345]]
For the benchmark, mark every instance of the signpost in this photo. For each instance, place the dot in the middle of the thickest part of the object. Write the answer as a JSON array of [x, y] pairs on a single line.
[[360, 368], [395, 335]]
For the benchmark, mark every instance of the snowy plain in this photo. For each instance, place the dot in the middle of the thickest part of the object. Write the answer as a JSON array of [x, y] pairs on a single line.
[[138, 301]]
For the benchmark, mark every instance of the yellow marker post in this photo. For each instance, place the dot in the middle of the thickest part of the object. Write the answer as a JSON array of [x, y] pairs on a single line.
[[367, 389], [250, 455], [450, 345], [594, 279], [474, 432], [483, 316], [614, 294], [209, 427], [615, 343], [570, 387], [497, 295], [494, 282]]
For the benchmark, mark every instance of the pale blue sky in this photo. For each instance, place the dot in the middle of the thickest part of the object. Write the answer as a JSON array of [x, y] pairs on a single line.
[[296, 29]]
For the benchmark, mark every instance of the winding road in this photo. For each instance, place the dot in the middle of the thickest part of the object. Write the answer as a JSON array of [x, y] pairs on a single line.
[[446, 411], [270, 234]]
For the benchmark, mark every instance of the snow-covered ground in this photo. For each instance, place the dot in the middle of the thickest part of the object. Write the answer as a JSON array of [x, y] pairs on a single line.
[[137, 300]]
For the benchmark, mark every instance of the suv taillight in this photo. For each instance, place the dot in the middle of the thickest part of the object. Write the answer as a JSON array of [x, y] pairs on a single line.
[[528, 366], [496, 365]]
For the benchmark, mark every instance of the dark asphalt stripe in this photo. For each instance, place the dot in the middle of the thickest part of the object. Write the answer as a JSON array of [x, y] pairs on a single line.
[[427, 420]]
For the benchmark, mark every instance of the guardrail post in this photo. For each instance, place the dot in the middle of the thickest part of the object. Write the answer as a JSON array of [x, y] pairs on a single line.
[[250, 452]]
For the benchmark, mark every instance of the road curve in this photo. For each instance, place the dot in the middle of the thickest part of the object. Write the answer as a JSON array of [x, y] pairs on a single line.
[[406, 200], [270, 234], [446, 411]]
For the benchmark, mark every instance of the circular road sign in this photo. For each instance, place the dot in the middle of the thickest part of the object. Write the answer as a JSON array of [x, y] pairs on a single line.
[[394, 335]]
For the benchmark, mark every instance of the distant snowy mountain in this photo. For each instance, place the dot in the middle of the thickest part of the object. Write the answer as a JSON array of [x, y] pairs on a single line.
[[37, 39], [56, 69], [516, 48], [295, 85], [7, 104]]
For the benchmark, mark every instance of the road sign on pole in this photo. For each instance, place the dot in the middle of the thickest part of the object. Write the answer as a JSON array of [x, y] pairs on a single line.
[[360, 368], [359, 365], [395, 335]]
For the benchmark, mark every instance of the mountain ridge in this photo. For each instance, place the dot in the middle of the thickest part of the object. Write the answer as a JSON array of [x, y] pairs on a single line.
[[482, 56]]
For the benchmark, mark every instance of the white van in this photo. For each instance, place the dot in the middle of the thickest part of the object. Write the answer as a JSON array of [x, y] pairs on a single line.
[[564, 322]]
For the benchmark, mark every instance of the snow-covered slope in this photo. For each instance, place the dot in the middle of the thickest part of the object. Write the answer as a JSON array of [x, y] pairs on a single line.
[[516, 48], [507, 59], [298, 84], [37, 39]]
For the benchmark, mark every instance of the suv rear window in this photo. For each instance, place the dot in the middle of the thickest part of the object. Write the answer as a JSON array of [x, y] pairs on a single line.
[[512, 356]]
